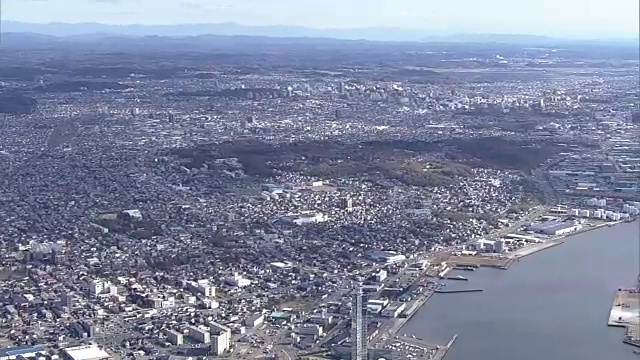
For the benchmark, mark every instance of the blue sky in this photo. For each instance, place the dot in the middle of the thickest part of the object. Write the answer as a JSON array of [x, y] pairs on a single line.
[[574, 18]]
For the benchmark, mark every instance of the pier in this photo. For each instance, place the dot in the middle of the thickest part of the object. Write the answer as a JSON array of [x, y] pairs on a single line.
[[457, 291], [624, 313], [442, 352], [461, 278], [466, 268]]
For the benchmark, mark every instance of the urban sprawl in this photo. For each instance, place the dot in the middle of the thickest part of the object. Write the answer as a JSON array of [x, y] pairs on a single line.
[[291, 200]]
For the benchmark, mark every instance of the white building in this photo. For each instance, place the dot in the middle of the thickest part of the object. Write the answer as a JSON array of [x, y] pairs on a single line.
[[86, 352], [394, 310], [96, 287], [485, 245], [254, 320], [221, 339], [238, 280], [175, 337], [133, 214], [388, 257], [202, 287], [380, 275], [200, 335], [310, 218], [219, 343]]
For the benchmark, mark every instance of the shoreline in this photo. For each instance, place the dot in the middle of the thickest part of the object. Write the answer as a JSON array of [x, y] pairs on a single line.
[[503, 262], [624, 314], [515, 257]]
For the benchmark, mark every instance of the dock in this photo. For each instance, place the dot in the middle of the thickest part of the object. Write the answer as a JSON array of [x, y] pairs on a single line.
[[442, 352], [465, 268], [460, 278], [532, 249], [419, 343], [457, 291], [624, 313]]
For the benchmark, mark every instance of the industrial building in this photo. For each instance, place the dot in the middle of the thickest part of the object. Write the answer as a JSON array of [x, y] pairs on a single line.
[[554, 227], [254, 320], [12, 353], [86, 352], [313, 331], [376, 306], [394, 310]]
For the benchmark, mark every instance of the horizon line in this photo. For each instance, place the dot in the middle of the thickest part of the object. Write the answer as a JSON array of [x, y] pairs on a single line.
[[429, 33]]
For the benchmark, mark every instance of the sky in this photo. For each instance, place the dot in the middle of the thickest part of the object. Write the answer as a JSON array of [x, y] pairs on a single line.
[[567, 18]]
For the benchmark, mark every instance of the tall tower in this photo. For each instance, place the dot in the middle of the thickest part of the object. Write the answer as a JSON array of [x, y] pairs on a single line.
[[637, 332], [359, 326]]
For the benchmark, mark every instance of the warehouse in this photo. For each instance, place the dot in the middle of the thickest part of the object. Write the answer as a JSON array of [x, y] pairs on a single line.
[[554, 227], [11, 353], [394, 310], [86, 352]]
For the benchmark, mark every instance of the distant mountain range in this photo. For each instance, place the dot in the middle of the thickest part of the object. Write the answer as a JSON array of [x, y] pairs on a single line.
[[230, 29]]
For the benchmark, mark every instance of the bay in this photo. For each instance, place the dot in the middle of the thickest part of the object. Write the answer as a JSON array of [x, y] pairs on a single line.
[[552, 305]]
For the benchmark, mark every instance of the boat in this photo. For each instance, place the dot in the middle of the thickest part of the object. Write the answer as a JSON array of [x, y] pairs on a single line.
[[636, 351]]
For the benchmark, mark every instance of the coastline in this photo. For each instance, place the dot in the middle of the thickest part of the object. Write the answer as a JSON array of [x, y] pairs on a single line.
[[624, 314], [503, 263]]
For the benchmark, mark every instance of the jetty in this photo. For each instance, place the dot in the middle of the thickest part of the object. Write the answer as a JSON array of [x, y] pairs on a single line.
[[461, 278], [439, 291]]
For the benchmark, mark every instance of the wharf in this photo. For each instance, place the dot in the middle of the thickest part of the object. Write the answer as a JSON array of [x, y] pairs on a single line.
[[419, 343], [460, 278], [466, 261], [457, 291], [500, 262], [442, 352], [465, 268], [532, 249], [624, 313]]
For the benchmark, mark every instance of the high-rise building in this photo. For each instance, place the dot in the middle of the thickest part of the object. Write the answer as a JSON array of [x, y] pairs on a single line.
[[175, 337], [200, 335], [221, 338], [359, 326]]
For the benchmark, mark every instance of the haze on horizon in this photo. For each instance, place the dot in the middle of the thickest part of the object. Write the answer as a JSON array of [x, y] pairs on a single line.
[[594, 19]]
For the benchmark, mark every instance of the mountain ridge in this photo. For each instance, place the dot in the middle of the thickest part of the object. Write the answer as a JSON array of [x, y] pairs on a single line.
[[234, 29]]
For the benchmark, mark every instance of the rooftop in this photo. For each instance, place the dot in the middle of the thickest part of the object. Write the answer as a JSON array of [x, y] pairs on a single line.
[[90, 352], [20, 350]]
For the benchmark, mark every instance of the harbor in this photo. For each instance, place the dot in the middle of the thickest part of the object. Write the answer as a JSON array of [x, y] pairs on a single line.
[[625, 312], [564, 278]]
